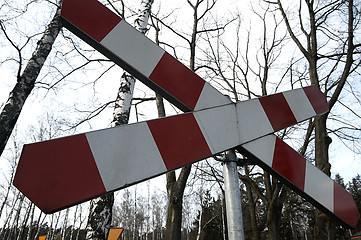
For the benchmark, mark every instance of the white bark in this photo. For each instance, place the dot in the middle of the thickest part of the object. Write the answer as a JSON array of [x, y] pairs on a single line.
[[65, 222], [101, 208], [26, 81], [127, 82], [143, 15], [124, 100]]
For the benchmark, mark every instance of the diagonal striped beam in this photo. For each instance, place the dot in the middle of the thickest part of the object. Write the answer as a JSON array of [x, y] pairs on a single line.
[[274, 112], [127, 47], [80, 167], [308, 181]]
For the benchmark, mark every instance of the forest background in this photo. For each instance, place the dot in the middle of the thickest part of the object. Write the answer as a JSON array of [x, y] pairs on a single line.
[[245, 50]]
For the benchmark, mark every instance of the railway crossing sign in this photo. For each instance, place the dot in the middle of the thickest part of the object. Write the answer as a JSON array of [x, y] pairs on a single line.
[[74, 169]]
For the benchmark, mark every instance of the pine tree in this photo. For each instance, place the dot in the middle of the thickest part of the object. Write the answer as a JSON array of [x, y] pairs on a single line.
[[354, 187]]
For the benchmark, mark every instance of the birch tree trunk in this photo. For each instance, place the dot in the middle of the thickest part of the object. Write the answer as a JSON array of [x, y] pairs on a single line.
[[26, 81], [100, 215], [31, 223], [24, 222]]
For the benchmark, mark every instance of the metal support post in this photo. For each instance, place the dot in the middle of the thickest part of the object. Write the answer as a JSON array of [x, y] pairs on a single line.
[[233, 197]]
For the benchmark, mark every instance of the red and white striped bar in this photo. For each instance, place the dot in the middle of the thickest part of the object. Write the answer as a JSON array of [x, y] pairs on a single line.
[[62, 172], [271, 113], [276, 156], [120, 42], [259, 117], [80, 167]]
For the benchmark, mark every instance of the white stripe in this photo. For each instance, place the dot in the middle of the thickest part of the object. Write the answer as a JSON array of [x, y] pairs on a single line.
[[135, 49], [219, 127], [299, 104], [319, 186], [262, 148], [252, 120], [125, 154], [210, 97]]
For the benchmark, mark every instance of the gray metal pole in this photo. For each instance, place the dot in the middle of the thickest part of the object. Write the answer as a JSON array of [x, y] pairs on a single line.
[[233, 197]]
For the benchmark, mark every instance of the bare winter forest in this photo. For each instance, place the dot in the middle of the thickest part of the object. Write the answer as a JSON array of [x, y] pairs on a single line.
[[53, 84]]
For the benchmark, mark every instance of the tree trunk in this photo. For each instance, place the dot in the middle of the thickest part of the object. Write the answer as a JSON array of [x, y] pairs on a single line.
[[322, 229], [175, 191], [175, 187], [100, 215], [273, 222], [26, 81], [200, 230], [275, 195], [252, 209], [323, 225], [31, 223], [322, 141]]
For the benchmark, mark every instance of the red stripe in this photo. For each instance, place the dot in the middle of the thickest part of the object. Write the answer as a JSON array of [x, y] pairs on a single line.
[[317, 99], [178, 80], [179, 140], [90, 16], [344, 206], [278, 111], [289, 164], [58, 173]]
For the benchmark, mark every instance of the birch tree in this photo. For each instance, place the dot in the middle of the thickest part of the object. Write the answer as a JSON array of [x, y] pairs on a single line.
[[100, 215], [26, 77], [354, 187]]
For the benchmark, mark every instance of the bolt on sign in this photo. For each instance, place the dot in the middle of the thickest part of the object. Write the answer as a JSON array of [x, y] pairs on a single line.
[[80, 167]]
